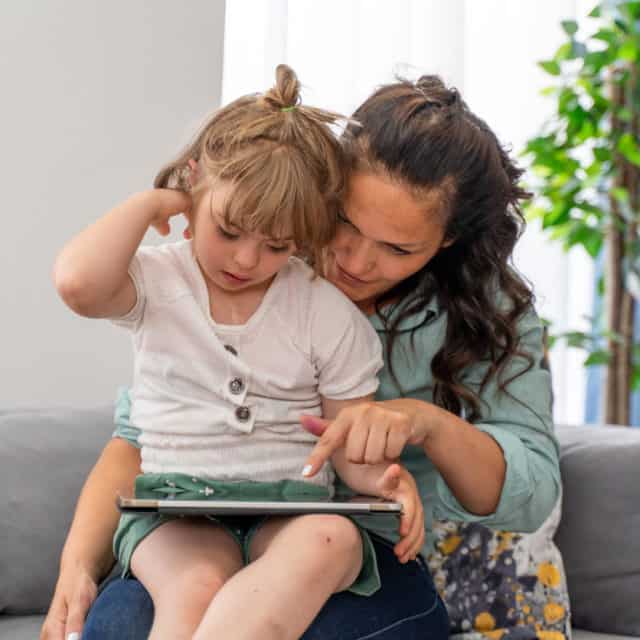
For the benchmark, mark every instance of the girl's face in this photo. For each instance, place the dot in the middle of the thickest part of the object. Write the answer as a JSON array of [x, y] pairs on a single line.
[[231, 259], [384, 237]]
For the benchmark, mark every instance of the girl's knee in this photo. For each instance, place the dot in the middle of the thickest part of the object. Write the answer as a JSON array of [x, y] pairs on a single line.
[[334, 534], [336, 544], [193, 588]]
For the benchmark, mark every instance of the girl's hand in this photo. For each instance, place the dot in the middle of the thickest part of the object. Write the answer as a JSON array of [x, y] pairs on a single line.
[[72, 599], [398, 484], [370, 432], [166, 204]]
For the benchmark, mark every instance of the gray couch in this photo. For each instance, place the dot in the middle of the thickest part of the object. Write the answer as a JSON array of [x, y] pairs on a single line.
[[45, 456]]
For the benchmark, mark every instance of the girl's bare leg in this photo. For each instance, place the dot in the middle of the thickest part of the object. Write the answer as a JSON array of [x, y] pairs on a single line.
[[183, 564], [297, 563]]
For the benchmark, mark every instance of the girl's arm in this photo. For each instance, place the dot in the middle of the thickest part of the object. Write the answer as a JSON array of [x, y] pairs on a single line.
[[91, 271], [87, 554]]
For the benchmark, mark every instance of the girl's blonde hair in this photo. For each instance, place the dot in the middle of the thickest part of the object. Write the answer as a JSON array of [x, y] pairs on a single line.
[[285, 164]]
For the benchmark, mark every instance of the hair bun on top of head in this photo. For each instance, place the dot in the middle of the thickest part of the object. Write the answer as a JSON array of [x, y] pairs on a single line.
[[437, 93], [285, 94]]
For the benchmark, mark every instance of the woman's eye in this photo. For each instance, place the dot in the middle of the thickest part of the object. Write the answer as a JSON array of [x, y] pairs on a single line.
[[397, 251], [227, 234]]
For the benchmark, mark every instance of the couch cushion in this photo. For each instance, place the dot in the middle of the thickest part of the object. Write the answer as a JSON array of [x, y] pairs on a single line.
[[598, 534], [20, 627], [580, 634], [46, 455]]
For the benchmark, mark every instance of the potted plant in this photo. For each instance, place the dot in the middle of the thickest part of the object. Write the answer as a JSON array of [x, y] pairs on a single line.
[[585, 166]]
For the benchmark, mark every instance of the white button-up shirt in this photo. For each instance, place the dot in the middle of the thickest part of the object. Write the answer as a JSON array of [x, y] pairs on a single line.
[[224, 401]]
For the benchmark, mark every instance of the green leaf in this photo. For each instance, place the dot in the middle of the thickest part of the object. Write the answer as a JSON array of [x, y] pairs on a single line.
[[590, 238], [570, 26], [534, 213], [548, 91], [550, 66], [564, 52], [595, 60], [606, 35], [558, 215], [595, 12], [629, 51], [577, 339], [620, 194], [625, 114], [628, 147], [602, 154], [597, 358]]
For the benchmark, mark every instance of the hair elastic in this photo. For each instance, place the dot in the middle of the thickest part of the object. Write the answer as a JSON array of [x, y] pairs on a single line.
[[291, 108]]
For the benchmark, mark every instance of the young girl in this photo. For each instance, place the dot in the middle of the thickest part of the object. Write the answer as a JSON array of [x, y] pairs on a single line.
[[235, 339]]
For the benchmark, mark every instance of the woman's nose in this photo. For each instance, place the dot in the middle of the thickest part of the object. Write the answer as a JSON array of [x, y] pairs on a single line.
[[359, 256]]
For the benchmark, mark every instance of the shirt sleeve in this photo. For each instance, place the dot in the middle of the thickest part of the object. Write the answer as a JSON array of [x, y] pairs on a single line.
[[520, 421], [124, 429], [132, 319], [345, 348]]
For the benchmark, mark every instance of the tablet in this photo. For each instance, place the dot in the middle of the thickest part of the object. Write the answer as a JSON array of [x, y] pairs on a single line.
[[358, 505]]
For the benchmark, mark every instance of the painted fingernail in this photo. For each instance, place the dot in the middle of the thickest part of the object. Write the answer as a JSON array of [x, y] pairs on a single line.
[[73, 636], [307, 470]]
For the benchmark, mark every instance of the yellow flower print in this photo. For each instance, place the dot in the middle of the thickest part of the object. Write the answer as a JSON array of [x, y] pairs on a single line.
[[484, 622], [553, 612], [505, 541], [450, 544], [550, 635], [548, 574]]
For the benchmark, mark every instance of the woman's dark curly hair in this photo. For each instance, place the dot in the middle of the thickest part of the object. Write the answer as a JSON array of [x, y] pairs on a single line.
[[424, 136]]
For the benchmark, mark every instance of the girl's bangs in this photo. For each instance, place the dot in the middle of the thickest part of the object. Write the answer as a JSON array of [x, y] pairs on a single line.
[[272, 195]]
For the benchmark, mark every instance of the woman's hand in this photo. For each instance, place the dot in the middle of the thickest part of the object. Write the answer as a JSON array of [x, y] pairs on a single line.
[[75, 592], [398, 484], [370, 432]]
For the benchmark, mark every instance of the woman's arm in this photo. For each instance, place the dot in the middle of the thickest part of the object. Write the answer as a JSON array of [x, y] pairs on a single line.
[[87, 554], [470, 461], [502, 470], [91, 271]]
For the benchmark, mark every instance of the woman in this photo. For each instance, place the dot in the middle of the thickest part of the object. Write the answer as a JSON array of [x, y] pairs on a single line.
[[424, 247]]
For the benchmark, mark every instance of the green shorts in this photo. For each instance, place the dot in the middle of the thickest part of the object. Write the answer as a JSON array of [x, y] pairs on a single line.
[[134, 527]]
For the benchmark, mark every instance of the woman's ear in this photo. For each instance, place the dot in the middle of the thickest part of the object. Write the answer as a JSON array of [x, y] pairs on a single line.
[[447, 243]]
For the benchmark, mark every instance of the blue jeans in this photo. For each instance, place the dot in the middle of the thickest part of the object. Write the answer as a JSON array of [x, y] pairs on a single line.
[[406, 607]]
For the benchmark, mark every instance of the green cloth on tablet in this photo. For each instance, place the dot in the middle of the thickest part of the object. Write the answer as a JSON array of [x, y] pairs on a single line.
[[161, 486]]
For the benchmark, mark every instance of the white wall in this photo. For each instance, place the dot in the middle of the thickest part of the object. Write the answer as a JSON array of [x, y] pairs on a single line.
[[96, 96]]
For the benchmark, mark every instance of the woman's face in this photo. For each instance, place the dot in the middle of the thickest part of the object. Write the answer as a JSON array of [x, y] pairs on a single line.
[[385, 236]]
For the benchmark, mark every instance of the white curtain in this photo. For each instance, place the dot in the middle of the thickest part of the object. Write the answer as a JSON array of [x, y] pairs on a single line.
[[343, 49]]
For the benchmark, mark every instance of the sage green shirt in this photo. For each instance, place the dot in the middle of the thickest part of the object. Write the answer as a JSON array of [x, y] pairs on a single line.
[[520, 421]]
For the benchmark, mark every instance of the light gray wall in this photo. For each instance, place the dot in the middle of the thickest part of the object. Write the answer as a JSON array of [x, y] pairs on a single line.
[[94, 97]]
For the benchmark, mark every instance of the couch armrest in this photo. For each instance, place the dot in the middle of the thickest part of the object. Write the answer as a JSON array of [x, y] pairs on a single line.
[[599, 533], [45, 456]]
